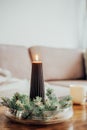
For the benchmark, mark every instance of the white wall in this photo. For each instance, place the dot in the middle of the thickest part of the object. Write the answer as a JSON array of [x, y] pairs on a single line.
[[82, 23], [44, 22]]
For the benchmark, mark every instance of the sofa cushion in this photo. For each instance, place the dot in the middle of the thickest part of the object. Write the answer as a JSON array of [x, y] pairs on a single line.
[[15, 59], [23, 87], [58, 89], [68, 83], [59, 64]]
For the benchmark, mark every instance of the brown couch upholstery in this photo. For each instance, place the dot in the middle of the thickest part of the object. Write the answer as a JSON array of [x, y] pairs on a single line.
[[16, 59]]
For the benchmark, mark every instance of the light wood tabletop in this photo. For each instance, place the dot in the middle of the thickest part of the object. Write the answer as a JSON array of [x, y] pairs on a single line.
[[77, 122]]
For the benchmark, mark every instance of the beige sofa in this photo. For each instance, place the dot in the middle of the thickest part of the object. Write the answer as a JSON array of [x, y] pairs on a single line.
[[61, 67], [15, 59]]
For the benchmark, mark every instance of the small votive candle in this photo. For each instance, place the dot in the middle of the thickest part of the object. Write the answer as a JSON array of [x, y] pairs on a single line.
[[78, 93], [37, 82]]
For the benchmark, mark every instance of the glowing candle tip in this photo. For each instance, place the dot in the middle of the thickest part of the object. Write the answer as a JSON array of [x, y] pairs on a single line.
[[36, 57]]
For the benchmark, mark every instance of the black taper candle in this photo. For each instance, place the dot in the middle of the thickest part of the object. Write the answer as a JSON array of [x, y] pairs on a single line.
[[37, 82]]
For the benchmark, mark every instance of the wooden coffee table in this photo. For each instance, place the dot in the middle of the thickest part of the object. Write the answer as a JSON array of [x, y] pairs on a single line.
[[77, 122]]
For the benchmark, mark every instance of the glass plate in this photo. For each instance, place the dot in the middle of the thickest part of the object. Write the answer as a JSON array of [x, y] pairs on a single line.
[[58, 118]]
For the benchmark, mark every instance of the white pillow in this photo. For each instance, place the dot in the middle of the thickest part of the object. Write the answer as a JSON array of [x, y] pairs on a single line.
[[5, 75], [15, 85], [23, 87]]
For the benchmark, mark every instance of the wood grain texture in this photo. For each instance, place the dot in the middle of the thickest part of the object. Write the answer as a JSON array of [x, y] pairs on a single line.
[[77, 122]]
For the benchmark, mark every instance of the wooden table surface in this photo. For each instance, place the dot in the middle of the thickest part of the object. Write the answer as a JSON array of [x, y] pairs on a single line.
[[77, 122]]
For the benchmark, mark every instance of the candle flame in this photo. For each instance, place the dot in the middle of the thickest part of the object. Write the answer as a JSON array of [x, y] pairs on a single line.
[[36, 57]]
